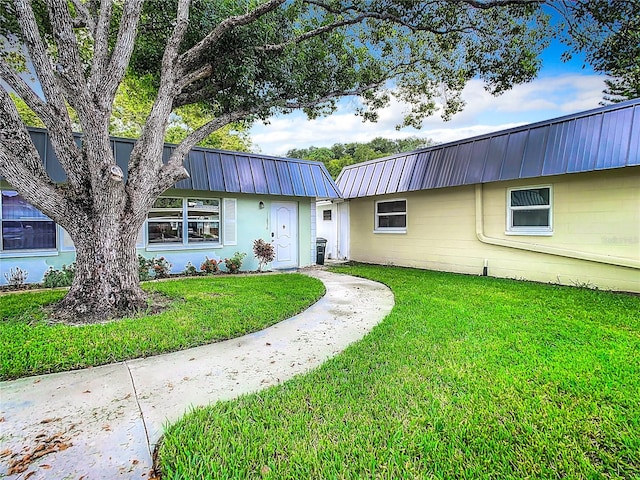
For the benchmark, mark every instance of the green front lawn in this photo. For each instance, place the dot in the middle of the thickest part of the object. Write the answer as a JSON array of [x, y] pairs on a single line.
[[468, 377], [202, 310]]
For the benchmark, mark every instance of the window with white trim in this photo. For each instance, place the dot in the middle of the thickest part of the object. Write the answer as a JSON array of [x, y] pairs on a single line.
[[326, 215], [529, 211], [24, 227], [184, 221], [391, 216]]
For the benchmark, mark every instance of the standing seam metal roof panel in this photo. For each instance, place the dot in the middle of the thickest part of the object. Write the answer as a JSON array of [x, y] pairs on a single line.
[[616, 127], [307, 179], [477, 161], [495, 157], [385, 177], [377, 173], [198, 172], [214, 170], [271, 174], [296, 179], [432, 171], [398, 166], [513, 157], [463, 157], [318, 180], [230, 173], [415, 181], [634, 140], [286, 185], [602, 138], [258, 175], [244, 174], [534, 150], [407, 172], [448, 166], [346, 177], [364, 184]]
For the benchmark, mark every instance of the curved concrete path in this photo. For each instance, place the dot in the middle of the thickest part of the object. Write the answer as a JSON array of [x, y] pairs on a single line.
[[104, 422]]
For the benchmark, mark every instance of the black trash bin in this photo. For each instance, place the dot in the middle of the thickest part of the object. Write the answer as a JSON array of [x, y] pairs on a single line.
[[321, 247]]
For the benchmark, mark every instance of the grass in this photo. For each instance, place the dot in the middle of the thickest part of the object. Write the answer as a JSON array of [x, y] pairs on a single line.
[[468, 377], [202, 310]]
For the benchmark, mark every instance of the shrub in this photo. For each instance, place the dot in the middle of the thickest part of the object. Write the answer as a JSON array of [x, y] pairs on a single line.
[[59, 278], [210, 266], [190, 270], [144, 264], [149, 268], [16, 277], [161, 267], [264, 252], [234, 263]]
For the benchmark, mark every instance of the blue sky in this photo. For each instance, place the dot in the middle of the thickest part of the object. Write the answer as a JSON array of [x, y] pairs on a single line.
[[560, 89]]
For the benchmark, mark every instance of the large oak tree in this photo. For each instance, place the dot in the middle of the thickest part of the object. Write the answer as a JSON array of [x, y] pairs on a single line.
[[242, 60]]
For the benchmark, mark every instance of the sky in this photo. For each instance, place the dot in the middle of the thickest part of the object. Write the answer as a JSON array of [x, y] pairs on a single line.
[[560, 89]]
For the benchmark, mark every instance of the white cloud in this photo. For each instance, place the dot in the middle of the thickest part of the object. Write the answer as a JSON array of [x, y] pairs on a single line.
[[538, 100]]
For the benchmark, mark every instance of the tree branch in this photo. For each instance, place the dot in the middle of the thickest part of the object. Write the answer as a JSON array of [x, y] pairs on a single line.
[[21, 164], [24, 91], [228, 24], [57, 120], [101, 43], [69, 62], [83, 16], [119, 60]]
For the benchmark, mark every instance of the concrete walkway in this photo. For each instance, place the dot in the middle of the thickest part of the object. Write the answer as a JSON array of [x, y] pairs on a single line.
[[104, 422]]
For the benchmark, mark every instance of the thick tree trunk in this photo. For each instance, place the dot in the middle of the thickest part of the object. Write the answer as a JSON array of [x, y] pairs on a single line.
[[106, 283]]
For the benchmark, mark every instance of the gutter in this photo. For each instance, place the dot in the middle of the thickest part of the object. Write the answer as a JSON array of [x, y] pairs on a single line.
[[549, 250]]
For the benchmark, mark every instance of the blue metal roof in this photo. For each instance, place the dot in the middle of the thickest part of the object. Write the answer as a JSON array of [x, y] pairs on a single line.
[[599, 139], [220, 170]]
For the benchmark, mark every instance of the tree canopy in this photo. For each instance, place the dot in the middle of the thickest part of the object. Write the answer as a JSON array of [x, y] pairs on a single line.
[[340, 155], [608, 33]]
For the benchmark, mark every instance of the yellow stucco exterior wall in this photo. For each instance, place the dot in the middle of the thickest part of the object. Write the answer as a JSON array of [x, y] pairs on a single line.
[[595, 214]]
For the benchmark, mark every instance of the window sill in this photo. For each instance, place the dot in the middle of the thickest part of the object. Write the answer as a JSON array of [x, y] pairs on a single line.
[[28, 253], [395, 232], [177, 247], [529, 233]]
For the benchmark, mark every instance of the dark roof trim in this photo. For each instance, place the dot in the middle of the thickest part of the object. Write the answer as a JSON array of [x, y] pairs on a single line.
[[220, 170], [604, 138]]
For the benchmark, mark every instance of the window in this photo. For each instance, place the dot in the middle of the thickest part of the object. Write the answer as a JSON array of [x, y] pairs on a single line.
[[529, 211], [184, 221], [326, 215], [24, 227], [391, 216]]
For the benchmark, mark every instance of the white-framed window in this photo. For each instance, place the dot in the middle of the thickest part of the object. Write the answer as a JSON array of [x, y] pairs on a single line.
[[326, 215], [184, 221], [391, 216], [24, 227], [529, 210]]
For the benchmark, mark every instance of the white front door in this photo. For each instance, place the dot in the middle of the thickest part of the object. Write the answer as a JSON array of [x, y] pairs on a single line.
[[284, 234]]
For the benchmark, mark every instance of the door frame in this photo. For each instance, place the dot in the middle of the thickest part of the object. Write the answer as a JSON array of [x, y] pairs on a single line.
[[294, 262]]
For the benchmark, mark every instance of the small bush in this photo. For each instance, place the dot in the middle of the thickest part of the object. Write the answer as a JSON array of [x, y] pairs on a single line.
[[144, 264], [234, 263], [161, 267], [16, 277], [264, 252], [149, 268], [59, 278], [210, 266], [190, 270]]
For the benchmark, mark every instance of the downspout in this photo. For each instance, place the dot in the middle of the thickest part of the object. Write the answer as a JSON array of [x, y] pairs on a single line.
[[549, 250]]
